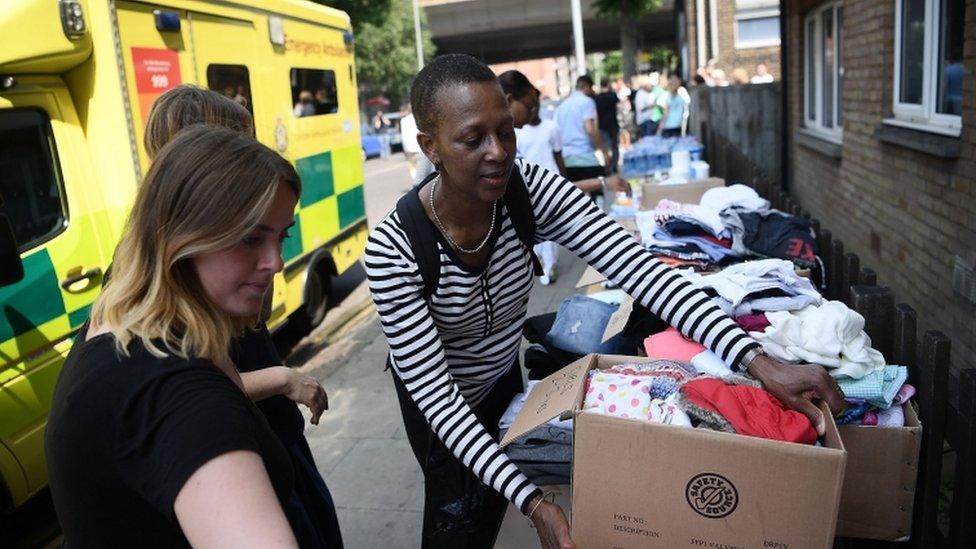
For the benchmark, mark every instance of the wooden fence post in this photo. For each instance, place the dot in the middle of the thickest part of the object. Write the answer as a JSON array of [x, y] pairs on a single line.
[[835, 270], [867, 277], [877, 305], [905, 339], [932, 395], [962, 529], [852, 268]]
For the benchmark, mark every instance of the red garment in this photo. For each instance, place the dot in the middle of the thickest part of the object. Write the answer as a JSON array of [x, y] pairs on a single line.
[[751, 411], [723, 242], [752, 323]]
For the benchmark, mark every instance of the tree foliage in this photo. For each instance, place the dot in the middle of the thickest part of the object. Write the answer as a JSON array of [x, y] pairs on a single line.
[[386, 54], [361, 12], [617, 9]]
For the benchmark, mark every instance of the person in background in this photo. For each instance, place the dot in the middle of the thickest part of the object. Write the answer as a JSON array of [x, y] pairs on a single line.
[[305, 105], [152, 439], [739, 76], [577, 120], [606, 111], [762, 75], [648, 104], [718, 78], [675, 109], [325, 100], [408, 139], [273, 387], [380, 121]]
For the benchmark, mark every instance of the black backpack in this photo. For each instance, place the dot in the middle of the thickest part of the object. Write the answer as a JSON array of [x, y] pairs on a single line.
[[423, 239]]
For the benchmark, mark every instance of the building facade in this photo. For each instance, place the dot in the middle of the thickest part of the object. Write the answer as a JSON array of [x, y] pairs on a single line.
[[731, 35], [882, 145]]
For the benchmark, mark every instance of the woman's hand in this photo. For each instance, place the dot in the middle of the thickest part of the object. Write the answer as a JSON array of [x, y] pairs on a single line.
[[551, 524], [305, 389], [796, 385], [616, 183]]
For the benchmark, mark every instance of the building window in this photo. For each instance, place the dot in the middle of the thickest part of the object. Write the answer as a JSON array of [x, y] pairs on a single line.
[[756, 23], [929, 65], [824, 71], [30, 181], [313, 92]]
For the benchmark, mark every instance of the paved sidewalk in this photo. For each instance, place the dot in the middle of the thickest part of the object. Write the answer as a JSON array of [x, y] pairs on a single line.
[[360, 445]]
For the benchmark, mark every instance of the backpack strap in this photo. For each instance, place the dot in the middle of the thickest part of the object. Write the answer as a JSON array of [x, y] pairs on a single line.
[[420, 233], [520, 211]]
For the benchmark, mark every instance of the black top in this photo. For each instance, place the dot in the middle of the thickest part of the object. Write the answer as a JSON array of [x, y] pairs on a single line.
[[606, 111], [253, 351], [125, 433]]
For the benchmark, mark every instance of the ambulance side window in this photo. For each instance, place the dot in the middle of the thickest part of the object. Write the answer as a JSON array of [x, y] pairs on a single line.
[[233, 81], [313, 92], [31, 193]]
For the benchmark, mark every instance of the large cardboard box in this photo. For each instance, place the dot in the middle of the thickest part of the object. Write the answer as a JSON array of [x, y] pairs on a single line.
[[638, 484], [687, 193], [879, 484]]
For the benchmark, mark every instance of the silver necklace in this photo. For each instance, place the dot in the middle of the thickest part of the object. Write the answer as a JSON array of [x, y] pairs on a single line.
[[447, 235]]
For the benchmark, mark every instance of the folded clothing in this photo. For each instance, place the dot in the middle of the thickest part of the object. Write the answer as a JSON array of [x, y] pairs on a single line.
[[707, 219], [892, 417], [776, 234], [738, 196], [673, 345], [757, 286], [877, 388], [752, 323], [831, 335], [579, 326], [626, 390], [544, 455], [737, 406], [515, 406], [668, 412]]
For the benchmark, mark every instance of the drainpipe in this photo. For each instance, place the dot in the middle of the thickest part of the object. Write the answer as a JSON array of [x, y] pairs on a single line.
[[784, 56], [700, 32], [713, 24]]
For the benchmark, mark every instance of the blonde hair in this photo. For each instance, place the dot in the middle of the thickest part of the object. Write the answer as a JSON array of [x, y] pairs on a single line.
[[207, 189], [186, 105]]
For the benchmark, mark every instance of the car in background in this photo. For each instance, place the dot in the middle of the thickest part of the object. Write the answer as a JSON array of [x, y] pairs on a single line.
[[370, 144]]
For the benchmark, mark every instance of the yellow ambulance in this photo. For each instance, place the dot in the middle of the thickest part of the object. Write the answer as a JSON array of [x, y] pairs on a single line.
[[77, 78]]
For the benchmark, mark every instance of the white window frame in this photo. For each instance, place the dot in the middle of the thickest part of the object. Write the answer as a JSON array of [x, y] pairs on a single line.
[[922, 116], [762, 12], [816, 126]]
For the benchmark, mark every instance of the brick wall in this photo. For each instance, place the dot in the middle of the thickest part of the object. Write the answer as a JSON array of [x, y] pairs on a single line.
[[921, 207], [729, 57]]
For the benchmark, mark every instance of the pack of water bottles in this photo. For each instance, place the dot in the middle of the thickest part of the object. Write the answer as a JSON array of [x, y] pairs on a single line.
[[653, 154]]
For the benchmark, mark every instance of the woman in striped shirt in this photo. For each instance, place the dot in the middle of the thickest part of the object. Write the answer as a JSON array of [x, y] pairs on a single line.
[[454, 352]]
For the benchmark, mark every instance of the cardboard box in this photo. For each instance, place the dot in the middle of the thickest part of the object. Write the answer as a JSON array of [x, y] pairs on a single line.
[[688, 193], [879, 484], [640, 484]]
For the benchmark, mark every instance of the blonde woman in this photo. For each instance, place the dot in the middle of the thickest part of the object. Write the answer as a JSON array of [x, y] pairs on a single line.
[[276, 389], [151, 440]]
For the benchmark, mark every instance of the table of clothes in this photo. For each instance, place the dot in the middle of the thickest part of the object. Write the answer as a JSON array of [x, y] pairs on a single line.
[[747, 257]]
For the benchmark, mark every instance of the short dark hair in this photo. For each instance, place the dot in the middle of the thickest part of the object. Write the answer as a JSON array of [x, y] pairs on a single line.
[[583, 82], [515, 84], [604, 82], [445, 70]]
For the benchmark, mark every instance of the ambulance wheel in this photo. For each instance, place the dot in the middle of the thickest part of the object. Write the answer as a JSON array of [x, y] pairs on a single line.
[[317, 295]]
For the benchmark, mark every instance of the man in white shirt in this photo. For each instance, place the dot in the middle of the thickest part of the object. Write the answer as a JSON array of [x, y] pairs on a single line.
[[408, 138]]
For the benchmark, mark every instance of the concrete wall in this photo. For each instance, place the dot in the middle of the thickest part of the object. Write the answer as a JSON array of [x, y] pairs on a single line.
[[908, 214]]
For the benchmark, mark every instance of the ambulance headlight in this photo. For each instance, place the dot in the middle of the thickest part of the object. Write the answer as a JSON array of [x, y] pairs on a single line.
[[72, 18]]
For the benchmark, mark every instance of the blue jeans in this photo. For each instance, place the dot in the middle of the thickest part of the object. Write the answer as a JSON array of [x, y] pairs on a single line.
[[648, 127], [579, 326]]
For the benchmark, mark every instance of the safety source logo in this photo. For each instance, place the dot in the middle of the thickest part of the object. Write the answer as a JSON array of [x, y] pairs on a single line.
[[711, 495]]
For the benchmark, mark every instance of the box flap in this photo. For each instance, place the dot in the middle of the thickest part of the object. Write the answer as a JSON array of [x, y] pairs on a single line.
[[590, 276], [618, 320], [553, 396]]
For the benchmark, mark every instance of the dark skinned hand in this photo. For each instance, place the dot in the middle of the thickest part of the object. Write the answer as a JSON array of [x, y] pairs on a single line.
[[797, 385], [551, 525]]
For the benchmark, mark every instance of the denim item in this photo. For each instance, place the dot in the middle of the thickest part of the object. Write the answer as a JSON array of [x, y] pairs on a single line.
[[580, 322]]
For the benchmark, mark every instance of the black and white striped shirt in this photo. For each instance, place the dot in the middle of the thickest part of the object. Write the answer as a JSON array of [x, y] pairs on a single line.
[[451, 351]]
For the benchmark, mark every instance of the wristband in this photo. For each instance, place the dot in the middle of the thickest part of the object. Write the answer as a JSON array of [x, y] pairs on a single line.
[[751, 355]]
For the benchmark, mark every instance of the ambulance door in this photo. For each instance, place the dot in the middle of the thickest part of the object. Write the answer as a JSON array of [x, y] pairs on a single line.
[[49, 194], [228, 60], [156, 55]]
